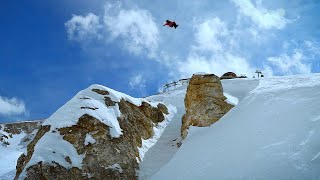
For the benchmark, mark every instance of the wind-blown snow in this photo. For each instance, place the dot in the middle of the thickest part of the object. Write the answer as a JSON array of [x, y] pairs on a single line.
[[273, 133]]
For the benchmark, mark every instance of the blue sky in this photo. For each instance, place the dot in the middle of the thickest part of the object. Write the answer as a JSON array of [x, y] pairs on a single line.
[[49, 50]]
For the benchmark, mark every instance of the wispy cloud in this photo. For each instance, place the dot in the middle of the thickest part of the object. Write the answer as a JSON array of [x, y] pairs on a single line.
[[217, 64], [290, 64], [206, 40], [133, 28], [80, 28], [261, 16], [213, 51], [137, 81], [11, 107], [209, 33]]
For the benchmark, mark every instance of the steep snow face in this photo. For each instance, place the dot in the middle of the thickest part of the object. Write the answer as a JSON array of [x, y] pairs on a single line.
[[158, 130], [273, 133], [165, 148]]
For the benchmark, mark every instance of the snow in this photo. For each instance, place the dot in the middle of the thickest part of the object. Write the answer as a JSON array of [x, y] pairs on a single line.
[[231, 99], [52, 148], [200, 73], [166, 146], [115, 167], [10, 153], [315, 157], [158, 130], [89, 140], [273, 133], [8, 176], [86, 98]]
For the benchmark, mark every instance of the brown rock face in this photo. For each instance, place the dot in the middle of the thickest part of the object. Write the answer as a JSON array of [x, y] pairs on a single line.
[[204, 102], [16, 128], [23, 159], [106, 157]]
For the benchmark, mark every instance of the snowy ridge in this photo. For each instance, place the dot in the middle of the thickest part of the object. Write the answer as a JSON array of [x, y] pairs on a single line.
[[289, 82], [273, 133], [53, 148]]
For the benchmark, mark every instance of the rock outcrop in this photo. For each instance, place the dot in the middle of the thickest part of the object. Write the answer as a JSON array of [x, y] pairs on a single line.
[[8, 130], [98, 134], [204, 102]]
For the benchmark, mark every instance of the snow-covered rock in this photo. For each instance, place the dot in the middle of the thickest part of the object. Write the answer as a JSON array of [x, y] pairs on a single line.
[[14, 138], [99, 133]]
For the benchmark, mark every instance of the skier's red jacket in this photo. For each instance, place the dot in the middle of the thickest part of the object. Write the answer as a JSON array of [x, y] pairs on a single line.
[[170, 24]]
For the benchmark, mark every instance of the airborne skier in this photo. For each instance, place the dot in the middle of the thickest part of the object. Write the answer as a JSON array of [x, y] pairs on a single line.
[[171, 24]]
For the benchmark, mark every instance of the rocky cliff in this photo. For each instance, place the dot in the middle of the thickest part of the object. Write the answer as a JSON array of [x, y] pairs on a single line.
[[100, 133], [204, 102], [8, 130]]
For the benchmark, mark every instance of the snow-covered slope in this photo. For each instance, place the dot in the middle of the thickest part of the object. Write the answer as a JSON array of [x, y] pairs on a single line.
[[273, 133], [167, 145], [53, 148], [14, 138], [10, 153]]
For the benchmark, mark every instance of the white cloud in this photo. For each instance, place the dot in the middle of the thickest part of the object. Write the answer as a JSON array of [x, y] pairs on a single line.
[[313, 48], [266, 19], [83, 27], [208, 34], [11, 106], [137, 81], [213, 52], [293, 64], [135, 26], [216, 64]]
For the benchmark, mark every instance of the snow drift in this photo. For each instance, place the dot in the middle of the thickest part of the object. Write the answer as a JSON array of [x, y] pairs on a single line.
[[273, 133]]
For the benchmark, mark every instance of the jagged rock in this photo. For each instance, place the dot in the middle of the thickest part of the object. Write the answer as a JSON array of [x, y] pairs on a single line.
[[163, 108], [99, 91], [106, 156], [8, 130], [204, 102], [18, 127], [23, 159]]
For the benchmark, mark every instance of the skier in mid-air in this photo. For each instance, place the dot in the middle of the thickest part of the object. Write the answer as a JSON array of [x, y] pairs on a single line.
[[171, 24]]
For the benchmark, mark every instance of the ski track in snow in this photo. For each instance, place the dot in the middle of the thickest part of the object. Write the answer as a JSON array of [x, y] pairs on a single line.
[[316, 156], [274, 144]]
